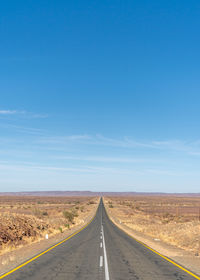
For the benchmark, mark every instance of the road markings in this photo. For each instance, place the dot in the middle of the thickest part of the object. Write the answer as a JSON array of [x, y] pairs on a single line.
[[105, 257], [101, 261], [151, 249], [166, 258], [101, 245], [46, 251]]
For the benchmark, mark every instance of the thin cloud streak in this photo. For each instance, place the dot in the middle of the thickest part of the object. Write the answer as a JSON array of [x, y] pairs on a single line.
[[64, 139], [8, 112], [86, 169], [105, 159], [24, 129], [189, 148], [59, 143], [23, 114], [96, 140], [31, 167], [38, 167], [167, 172]]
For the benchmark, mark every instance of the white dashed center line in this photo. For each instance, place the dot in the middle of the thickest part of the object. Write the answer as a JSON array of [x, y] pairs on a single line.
[[105, 257], [101, 261]]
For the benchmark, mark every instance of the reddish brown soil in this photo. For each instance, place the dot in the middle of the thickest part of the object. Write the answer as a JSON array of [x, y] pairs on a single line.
[[24, 220]]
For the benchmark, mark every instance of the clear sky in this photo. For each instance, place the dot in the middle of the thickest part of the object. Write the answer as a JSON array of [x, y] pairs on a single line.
[[100, 95]]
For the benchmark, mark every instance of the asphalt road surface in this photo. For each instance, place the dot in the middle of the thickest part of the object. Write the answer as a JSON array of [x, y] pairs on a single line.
[[100, 251]]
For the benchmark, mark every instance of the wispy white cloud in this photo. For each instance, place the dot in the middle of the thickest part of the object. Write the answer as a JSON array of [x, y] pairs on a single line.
[[28, 166], [78, 137], [167, 172], [35, 116], [22, 113], [8, 112], [97, 140], [105, 159], [125, 142], [23, 129], [85, 141], [88, 169], [186, 147], [64, 139]]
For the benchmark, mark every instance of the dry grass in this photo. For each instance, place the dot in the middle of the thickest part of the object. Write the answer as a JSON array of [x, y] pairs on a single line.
[[174, 220], [24, 220]]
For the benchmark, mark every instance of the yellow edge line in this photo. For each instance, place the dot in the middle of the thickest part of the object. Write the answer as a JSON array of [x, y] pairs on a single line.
[[49, 249], [162, 256]]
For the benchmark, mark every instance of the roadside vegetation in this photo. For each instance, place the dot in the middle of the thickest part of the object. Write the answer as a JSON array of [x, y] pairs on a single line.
[[24, 220], [173, 220]]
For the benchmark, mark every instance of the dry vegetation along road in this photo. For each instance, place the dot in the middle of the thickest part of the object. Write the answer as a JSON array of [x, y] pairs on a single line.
[[26, 220], [170, 219], [100, 251]]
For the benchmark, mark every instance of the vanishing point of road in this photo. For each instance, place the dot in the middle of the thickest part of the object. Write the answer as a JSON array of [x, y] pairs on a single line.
[[101, 251]]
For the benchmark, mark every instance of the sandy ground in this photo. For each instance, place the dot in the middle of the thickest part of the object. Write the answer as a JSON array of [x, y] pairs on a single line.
[[180, 256], [14, 258]]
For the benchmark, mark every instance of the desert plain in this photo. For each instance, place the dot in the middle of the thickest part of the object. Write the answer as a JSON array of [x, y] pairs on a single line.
[[30, 219], [172, 219]]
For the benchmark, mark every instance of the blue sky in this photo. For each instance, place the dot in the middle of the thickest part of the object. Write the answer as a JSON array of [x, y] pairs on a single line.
[[100, 95]]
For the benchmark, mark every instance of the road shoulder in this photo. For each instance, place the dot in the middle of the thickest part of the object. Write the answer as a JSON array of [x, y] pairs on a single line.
[[185, 259], [10, 260]]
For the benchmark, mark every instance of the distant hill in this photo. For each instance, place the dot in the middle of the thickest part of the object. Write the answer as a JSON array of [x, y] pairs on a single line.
[[50, 193], [90, 193]]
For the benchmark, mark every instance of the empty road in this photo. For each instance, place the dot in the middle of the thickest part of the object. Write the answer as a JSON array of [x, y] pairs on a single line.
[[100, 251]]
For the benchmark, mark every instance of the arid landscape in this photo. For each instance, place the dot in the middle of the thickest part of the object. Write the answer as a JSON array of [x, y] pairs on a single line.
[[171, 224], [174, 220], [25, 220]]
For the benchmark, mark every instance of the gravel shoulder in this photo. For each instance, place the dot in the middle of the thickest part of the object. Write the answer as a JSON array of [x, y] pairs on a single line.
[[180, 256], [10, 260]]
